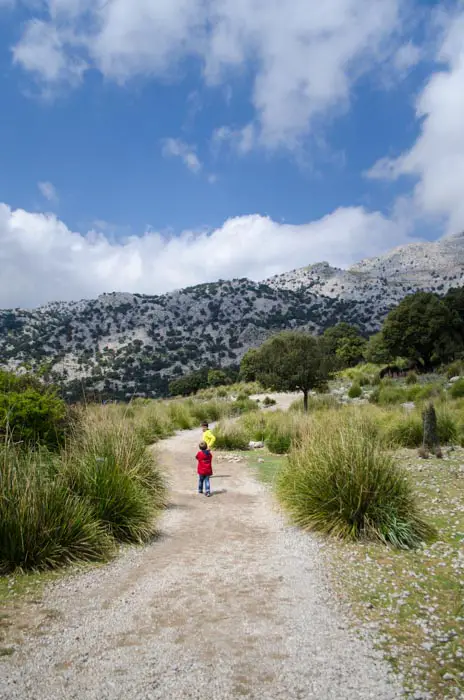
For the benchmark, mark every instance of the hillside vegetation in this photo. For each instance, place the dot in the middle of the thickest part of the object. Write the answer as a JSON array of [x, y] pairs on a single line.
[[125, 345]]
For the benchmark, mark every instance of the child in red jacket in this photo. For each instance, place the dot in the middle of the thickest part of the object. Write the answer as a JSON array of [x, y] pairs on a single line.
[[205, 468]]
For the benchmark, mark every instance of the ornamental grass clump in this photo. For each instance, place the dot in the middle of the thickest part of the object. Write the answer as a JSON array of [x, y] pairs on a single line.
[[111, 469], [43, 524], [341, 481]]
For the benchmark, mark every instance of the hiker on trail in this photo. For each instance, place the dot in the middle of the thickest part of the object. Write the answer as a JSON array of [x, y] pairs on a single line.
[[208, 436], [205, 468]]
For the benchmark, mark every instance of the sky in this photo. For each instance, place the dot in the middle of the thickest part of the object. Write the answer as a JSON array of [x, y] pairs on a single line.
[[148, 145]]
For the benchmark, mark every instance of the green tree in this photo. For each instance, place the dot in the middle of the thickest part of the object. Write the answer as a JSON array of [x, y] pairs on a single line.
[[217, 377], [31, 412], [189, 383], [422, 328], [345, 343], [376, 351], [291, 361], [249, 366]]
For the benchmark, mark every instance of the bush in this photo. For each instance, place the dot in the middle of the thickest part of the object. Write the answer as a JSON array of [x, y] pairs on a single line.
[[454, 369], [180, 416], [355, 391], [33, 416], [42, 524], [411, 378], [387, 393], [448, 428], [341, 482], [231, 436], [111, 469], [406, 430], [244, 406], [279, 442], [457, 389], [268, 401]]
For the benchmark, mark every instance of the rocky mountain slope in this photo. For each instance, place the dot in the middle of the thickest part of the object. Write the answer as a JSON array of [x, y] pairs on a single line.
[[129, 344]]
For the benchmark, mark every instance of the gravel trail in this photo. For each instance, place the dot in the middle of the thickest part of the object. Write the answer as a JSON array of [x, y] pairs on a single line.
[[227, 603]]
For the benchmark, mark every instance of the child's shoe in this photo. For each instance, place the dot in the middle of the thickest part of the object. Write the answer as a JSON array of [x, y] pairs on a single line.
[[207, 494]]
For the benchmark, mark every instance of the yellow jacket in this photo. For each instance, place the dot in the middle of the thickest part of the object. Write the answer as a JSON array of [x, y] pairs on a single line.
[[209, 438]]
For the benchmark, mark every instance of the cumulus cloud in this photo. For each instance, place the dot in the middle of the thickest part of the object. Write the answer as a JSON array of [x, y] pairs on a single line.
[[304, 56], [175, 148], [48, 190], [436, 159], [43, 260]]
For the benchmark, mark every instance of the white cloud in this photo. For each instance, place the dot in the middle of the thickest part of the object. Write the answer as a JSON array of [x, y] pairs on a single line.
[[407, 56], [242, 140], [175, 148], [47, 51], [42, 260], [305, 56], [48, 190], [436, 160]]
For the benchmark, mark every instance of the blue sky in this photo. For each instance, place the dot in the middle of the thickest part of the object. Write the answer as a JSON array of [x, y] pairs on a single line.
[[239, 138]]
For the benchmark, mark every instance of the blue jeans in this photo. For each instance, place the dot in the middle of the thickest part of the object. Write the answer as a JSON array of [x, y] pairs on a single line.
[[203, 480]]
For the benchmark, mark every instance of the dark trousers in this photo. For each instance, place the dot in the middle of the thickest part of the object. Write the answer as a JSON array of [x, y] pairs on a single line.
[[203, 480]]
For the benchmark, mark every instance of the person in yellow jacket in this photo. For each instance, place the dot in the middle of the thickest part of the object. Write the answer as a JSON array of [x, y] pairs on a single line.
[[208, 436]]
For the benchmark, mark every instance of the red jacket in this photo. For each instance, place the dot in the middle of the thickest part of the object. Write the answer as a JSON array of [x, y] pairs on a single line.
[[205, 463]]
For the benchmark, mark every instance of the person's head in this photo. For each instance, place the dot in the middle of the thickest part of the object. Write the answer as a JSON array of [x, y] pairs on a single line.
[[203, 446], [204, 425]]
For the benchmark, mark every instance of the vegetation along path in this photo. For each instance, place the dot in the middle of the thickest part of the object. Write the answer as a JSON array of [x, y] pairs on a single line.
[[228, 602]]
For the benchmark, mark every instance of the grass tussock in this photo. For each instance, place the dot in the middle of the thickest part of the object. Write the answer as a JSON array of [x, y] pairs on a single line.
[[278, 430], [320, 402], [43, 524], [341, 481]]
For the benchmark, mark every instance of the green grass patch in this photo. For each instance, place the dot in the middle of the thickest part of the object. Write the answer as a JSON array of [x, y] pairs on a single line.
[[414, 599], [341, 481], [266, 465]]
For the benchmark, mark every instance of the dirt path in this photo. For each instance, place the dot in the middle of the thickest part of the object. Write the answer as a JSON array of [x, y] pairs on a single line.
[[227, 603]]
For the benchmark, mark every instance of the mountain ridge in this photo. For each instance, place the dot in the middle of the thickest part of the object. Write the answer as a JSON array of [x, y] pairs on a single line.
[[122, 344]]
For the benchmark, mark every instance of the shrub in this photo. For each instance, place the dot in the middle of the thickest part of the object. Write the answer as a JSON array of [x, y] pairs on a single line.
[[33, 416], [231, 436], [411, 378], [111, 469], [355, 391], [180, 415], [268, 401], [244, 406], [42, 524], [341, 482], [454, 369], [448, 428], [457, 389], [388, 394], [406, 430], [279, 442]]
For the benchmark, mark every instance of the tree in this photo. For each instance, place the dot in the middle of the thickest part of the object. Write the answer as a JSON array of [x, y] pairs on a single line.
[[376, 351], [422, 328], [189, 383], [291, 361], [248, 366], [454, 300], [345, 343], [217, 377]]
